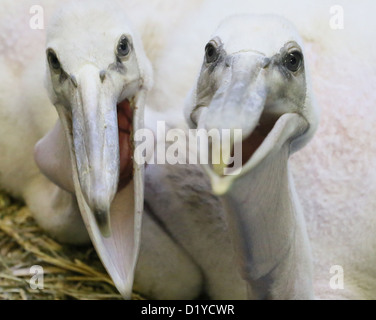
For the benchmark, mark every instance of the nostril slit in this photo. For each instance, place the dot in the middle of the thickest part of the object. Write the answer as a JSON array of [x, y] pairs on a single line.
[[102, 75], [228, 61], [266, 62], [74, 80]]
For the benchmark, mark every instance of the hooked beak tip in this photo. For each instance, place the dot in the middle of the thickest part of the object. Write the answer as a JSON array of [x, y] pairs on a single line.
[[102, 75], [102, 218], [220, 186]]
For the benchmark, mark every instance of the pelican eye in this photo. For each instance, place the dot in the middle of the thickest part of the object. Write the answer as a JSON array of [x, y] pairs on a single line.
[[53, 60], [293, 61], [123, 47], [211, 53]]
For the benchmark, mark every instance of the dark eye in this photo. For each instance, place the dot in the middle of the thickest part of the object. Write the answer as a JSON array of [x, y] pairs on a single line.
[[211, 53], [123, 47], [53, 60], [293, 61]]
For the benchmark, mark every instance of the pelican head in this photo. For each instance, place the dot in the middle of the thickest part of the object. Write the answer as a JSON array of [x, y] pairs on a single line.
[[97, 78], [253, 78]]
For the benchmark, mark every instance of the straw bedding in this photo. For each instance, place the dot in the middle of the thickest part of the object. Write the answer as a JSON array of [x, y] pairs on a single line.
[[69, 272]]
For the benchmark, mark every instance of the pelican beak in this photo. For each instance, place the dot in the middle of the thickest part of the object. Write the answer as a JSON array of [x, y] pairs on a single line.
[[107, 181], [241, 105], [96, 146]]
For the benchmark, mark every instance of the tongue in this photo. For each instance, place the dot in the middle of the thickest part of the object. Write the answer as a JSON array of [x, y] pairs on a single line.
[[125, 116]]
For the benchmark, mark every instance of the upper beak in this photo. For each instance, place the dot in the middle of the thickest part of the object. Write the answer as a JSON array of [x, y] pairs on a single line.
[[234, 110], [96, 145]]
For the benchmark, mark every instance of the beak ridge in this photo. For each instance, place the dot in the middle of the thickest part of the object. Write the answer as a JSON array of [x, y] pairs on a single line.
[[240, 99], [96, 144]]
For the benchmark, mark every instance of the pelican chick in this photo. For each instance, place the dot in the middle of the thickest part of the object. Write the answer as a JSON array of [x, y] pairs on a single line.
[[98, 81], [97, 77], [260, 85], [99, 93]]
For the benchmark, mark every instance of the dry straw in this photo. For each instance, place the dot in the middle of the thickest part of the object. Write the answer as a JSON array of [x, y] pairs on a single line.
[[69, 272]]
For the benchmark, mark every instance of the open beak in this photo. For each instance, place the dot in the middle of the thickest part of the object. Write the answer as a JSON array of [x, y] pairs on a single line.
[[107, 182], [241, 104]]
